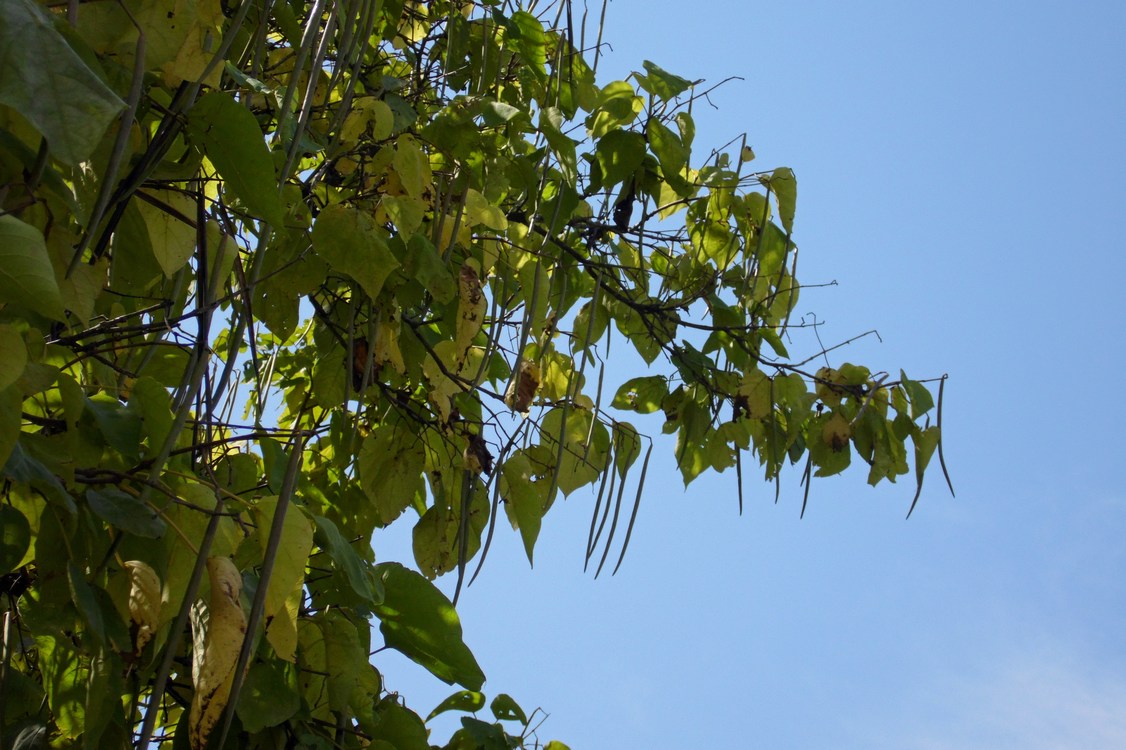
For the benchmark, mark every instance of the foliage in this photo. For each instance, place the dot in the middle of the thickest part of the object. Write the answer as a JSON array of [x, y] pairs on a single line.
[[276, 274]]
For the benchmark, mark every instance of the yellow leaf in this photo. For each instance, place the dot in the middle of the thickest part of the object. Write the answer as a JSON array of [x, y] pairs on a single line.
[[478, 210], [144, 600], [387, 346], [412, 166], [201, 40], [369, 118], [213, 666], [173, 238], [288, 575]]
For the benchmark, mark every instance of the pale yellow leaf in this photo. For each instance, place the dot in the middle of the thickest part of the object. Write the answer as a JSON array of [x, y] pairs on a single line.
[[288, 574], [144, 600], [213, 668]]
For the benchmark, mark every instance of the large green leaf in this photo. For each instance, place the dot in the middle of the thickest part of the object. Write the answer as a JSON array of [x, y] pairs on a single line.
[[418, 620], [526, 498], [620, 153], [26, 276], [53, 88], [352, 243], [229, 135], [269, 695], [660, 82], [126, 512]]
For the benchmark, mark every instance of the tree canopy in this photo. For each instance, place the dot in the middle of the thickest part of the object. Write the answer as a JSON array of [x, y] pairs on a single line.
[[277, 273]]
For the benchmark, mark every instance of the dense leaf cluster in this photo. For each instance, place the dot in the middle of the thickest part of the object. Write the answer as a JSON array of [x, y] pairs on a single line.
[[276, 274]]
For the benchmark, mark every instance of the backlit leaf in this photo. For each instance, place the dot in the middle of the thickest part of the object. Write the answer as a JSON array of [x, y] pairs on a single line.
[[418, 620], [230, 137]]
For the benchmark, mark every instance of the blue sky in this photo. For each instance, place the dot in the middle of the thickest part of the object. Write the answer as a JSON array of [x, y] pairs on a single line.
[[962, 176]]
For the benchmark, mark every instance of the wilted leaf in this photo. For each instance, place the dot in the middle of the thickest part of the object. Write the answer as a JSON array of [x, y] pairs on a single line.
[[524, 386], [144, 600], [214, 668]]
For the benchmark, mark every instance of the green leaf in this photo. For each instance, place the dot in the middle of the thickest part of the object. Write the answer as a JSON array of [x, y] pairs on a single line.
[[921, 399], [418, 620], [424, 264], [352, 243], [667, 147], [43, 79], [82, 594], [289, 567], [126, 512], [661, 83], [26, 276], [345, 659], [482, 735], [15, 538], [527, 32], [785, 188], [620, 154], [172, 238], [227, 133], [346, 560], [462, 700], [642, 395], [120, 426], [506, 709], [400, 727], [405, 213], [269, 695], [151, 401], [551, 125], [478, 210], [23, 467], [526, 498], [390, 463], [15, 355], [11, 418]]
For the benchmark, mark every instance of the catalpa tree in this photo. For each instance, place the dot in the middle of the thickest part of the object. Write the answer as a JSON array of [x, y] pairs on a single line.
[[277, 273]]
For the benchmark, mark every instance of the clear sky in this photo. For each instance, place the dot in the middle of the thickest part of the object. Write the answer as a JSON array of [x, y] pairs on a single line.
[[962, 176]]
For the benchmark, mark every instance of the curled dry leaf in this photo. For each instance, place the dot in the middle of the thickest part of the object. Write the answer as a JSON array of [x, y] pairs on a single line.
[[144, 600], [214, 668], [471, 308], [477, 456], [524, 387]]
